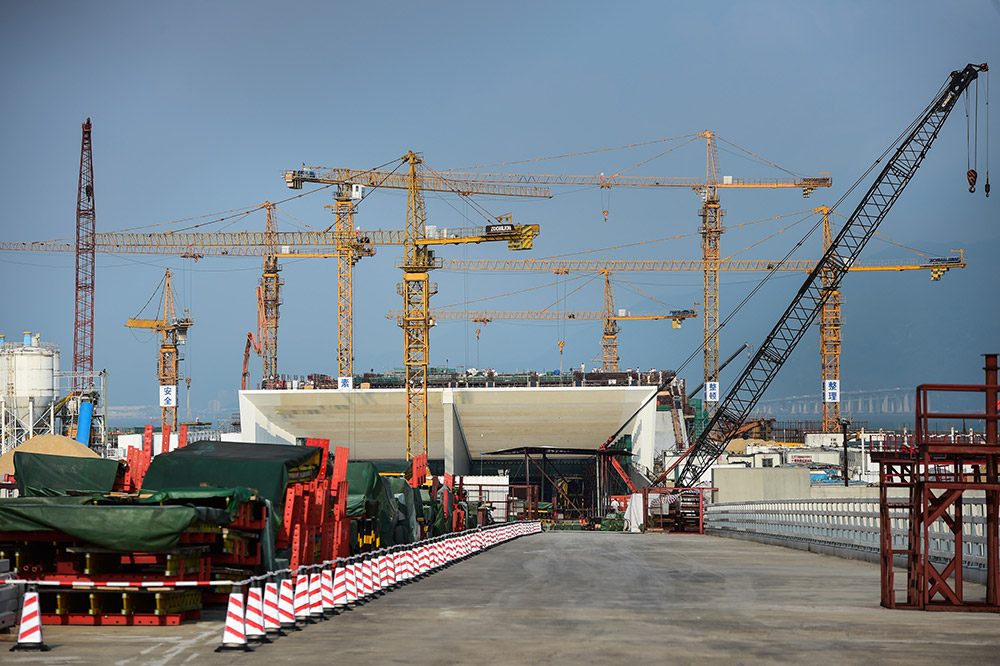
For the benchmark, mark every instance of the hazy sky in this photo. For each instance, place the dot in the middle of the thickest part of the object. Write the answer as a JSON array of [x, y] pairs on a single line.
[[198, 107]]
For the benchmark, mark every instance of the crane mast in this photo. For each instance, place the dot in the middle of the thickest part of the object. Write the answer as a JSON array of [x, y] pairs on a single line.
[[83, 333], [815, 291]]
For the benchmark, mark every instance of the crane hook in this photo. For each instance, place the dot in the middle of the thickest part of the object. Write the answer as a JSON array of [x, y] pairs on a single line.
[[972, 176]]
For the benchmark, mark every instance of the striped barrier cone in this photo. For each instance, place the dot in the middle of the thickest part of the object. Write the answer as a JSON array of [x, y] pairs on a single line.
[[272, 625], [326, 588], [286, 606], [339, 588], [234, 636], [29, 631], [302, 600], [316, 597], [377, 576], [366, 578], [404, 565], [393, 574], [351, 577], [423, 561], [254, 622], [384, 573]]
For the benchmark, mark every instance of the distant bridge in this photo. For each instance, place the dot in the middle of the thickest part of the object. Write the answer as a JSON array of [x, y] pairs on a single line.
[[874, 401]]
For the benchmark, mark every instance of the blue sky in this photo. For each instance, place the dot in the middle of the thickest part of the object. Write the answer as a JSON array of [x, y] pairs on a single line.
[[198, 107]]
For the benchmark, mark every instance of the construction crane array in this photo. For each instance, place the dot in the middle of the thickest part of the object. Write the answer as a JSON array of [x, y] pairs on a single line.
[[711, 218], [418, 260]]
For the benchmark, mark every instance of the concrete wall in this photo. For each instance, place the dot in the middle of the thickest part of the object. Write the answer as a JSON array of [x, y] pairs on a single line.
[[743, 485]]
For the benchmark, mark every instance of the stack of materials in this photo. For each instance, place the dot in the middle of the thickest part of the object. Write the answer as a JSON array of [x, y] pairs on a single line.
[[209, 511]]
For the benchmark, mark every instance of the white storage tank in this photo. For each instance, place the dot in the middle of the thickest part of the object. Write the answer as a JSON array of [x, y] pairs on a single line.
[[28, 376]]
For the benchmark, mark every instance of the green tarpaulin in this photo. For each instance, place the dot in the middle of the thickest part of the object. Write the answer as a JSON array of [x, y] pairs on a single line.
[[407, 528], [365, 485], [264, 468], [40, 474], [142, 528]]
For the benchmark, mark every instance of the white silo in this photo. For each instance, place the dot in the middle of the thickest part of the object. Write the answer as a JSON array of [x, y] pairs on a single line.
[[28, 387]]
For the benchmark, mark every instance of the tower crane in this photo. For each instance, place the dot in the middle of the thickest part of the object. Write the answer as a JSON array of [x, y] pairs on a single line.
[[711, 218], [811, 297], [830, 316], [173, 333], [418, 260], [609, 315], [349, 245]]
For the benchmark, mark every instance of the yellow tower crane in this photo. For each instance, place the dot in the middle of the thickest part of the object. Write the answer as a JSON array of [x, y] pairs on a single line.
[[711, 218], [830, 317], [173, 333], [418, 260], [609, 315]]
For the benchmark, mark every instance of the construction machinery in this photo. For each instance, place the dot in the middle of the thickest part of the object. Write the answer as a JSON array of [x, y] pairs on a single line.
[[830, 317], [83, 330], [418, 259], [173, 333], [825, 278], [711, 217], [609, 315]]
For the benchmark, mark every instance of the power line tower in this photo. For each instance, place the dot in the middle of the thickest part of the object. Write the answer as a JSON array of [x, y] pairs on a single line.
[[83, 335]]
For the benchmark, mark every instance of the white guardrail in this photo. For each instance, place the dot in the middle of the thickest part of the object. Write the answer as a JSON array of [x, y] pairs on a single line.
[[846, 528]]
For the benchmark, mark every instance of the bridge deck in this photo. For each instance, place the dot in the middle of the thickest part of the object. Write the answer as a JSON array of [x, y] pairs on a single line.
[[576, 597]]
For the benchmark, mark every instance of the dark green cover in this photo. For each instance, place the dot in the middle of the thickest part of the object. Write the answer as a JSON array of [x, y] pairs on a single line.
[[407, 528], [263, 468], [45, 475], [137, 528], [364, 484]]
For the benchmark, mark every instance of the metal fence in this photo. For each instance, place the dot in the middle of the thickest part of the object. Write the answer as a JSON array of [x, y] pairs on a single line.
[[844, 527]]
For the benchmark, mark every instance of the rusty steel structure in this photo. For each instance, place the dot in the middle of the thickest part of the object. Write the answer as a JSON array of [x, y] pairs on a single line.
[[939, 477]]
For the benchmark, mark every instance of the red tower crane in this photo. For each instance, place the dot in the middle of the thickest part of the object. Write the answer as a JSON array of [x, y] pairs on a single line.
[[83, 335]]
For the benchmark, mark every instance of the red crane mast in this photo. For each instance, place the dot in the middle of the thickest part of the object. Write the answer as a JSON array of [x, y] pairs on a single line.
[[83, 336]]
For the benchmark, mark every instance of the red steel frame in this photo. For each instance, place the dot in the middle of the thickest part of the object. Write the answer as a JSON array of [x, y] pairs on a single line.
[[675, 493], [937, 475]]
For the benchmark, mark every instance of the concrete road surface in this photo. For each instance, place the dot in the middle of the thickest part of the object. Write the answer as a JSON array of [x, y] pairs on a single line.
[[589, 598]]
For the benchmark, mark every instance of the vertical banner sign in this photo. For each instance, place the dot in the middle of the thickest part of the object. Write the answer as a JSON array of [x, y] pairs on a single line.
[[831, 390], [345, 382], [711, 391], [168, 396]]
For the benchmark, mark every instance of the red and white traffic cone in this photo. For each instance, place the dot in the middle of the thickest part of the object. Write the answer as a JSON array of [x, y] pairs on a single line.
[[272, 623], [326, 589], [302, 600], [256, 632], [315, 597], [351, 577], [340, 588], [383, 573], [234, 636], [29, 633], [286, 606], [366, 578]]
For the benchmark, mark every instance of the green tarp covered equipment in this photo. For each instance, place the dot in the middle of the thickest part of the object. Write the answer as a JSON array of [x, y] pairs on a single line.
[[407, 529], [127, 527], [45, 475], [264, 468], [364, 485]]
